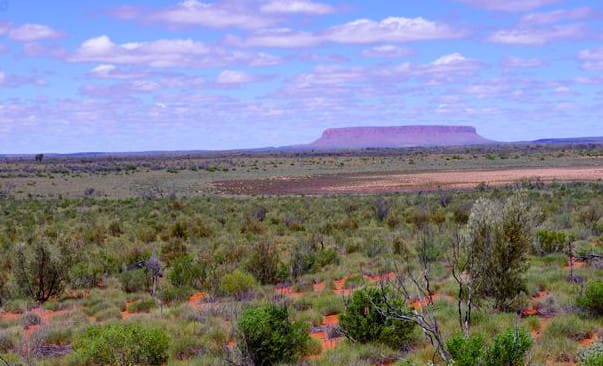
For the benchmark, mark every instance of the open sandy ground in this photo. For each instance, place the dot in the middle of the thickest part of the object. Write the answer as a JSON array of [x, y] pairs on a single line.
[[364, 183]]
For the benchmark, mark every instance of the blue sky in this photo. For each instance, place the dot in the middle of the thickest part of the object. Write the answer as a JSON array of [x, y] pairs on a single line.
[[224, 74]]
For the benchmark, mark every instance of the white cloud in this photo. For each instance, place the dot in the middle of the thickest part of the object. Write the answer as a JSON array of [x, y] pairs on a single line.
[[592, 59], [233, 77], [165, 53], [220, 14], [518, 62], [386, 51], [509, 5], [33, 32], [296, 6], [362, 31], [538, 36], [393, 29], [556, 16]]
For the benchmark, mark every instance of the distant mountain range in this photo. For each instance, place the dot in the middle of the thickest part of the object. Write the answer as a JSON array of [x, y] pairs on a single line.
[[354, 138]]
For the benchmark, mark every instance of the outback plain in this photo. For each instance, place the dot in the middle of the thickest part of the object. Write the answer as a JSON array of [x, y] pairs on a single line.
[[485, 255]]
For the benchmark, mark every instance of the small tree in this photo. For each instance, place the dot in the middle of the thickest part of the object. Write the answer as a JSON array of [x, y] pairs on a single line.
[[264, 262], [39, 157], [363, 321], [40, 270], [500, 233], [267, 337]]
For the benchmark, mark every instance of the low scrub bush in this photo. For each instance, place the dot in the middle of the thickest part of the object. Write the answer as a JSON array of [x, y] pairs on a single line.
[[238, 284], [363, 322], [592, 300], [267, 337], [122, 345], [507, 349]]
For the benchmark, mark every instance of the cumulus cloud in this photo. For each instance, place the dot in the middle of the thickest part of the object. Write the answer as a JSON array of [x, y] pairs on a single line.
[[557, 16], [11, 81], [386, 51], [362, 31], [509, 5], [221, 14], [33, 32], [592, 59], [165, 53], [393, 29], [296, 7], [538, 36], [512, 62], [234, 77]]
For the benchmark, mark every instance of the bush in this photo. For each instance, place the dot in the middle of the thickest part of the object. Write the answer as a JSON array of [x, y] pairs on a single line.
[[185, 272], [123, 345], [548, 242], [508, 349], [7, 342], [142, 306], [363, 322], [264, 263], [133, 281], [237, 284], [466, 351], [267, 337], [592, 300], [592, 356]]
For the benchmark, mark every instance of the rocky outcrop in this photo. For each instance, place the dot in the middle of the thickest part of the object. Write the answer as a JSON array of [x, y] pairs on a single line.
[[400, 136]]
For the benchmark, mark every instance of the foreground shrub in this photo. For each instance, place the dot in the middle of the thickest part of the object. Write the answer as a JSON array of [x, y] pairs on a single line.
[[122, 345], [592, 356], [267, 337], [592, 300], [363, 322], [507, 349]]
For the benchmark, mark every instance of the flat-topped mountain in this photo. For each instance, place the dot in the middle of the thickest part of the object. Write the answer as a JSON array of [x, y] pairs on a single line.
[[399, 136]]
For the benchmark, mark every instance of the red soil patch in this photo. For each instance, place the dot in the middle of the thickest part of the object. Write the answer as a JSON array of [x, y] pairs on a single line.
[[45, 318], [195, 299], [354, 183], [10, 316], [586, 342], [126, 314], [418, 304], [288, 291], [543, 324], [318, 287], [231, 344], [339, 287], [540, 295], [331, 320], [380, 278]]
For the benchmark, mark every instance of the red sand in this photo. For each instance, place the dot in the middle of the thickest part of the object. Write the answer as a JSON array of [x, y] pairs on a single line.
[[577, 264], [339, 287], [586, 342], [424, 302], [318, 287], [288, 291], [379, 278], [330, 320]]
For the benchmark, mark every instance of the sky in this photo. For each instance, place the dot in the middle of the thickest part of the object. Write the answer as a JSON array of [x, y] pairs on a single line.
[[128, 75]]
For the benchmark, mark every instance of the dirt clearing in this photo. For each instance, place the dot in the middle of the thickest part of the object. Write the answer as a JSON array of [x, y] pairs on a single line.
[[366, 183]]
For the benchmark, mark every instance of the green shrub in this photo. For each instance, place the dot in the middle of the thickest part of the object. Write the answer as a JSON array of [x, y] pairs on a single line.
[[467, 351], [509, 348], [142, 306], [123, 345], [548, 242], [592, 356], [133, 281], [7, 342], [267, 337], [363, 322], [237, 284], [592, 300], [185, 272]]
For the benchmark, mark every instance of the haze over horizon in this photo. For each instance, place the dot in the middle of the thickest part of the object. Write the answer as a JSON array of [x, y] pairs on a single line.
[[133, 75]]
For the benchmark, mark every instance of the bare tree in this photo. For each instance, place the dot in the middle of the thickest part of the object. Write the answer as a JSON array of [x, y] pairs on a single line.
[[414, 285]]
